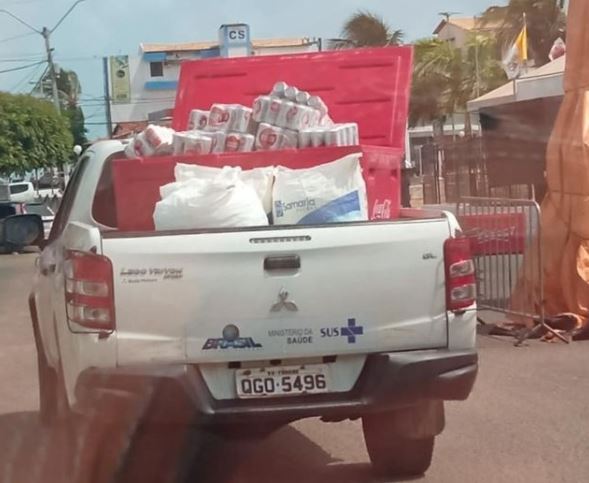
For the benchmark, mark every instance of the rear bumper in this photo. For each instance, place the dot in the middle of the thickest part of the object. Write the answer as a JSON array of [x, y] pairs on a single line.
[[388, 381]]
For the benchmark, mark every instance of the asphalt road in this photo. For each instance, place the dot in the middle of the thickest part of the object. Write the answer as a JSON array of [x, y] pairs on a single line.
[[527, 421]]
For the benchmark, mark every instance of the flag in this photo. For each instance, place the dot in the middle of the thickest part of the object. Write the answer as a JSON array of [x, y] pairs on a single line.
[[516, 57]]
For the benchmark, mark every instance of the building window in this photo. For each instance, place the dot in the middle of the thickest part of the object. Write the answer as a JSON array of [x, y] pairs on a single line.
[[156, 69]]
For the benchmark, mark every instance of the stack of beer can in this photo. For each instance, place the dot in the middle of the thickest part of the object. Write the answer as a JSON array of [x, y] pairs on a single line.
[[285, 118], [225, 128], [291, 118]]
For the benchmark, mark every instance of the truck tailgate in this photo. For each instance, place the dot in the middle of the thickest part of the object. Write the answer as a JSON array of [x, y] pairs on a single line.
[[274, 294]]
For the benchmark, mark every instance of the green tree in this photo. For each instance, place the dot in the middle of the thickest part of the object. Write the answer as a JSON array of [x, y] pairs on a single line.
[[69, 91], [544, 19], [445, 78], [32, 134], [367, 29], [428, 84]]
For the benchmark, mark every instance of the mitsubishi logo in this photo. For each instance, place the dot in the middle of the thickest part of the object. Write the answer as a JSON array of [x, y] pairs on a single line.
[[284, 303]]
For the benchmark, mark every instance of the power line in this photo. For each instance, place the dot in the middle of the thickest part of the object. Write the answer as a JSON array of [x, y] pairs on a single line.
[[27, 78], [40, 79], [8, 61], [20, 2], [46, 34], [22, 67], [15, 37], [96, 102], [20, 20], [79, 59], [23, 55]]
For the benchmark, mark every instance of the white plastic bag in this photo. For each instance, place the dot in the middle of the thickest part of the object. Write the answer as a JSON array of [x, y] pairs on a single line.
[[222, 202], [329, 193], [260, 179]]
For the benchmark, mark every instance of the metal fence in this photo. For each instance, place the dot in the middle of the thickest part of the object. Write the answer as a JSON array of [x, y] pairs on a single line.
[[506, 242], [458, 168]]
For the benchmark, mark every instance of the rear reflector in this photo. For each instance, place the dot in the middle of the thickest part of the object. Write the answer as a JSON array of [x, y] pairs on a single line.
[[89, 292], [461, 289]]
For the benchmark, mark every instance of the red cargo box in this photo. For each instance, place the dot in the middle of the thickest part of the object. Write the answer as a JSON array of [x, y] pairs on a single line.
[[367, 86]]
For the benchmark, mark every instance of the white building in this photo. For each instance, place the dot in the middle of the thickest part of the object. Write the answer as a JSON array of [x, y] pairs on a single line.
[[458, 30], [143, 87]]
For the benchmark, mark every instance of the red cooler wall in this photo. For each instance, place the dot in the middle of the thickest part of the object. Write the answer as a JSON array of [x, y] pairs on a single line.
[[367, 86]]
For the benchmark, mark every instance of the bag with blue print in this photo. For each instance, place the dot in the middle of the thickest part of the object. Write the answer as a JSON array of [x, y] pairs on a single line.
[[329, 193]]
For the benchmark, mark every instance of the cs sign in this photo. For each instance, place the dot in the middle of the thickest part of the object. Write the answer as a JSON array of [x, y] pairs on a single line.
[[237, 34]]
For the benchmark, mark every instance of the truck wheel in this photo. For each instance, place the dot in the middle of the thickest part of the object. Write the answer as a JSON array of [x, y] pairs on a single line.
[[394, 455], [53, 407]]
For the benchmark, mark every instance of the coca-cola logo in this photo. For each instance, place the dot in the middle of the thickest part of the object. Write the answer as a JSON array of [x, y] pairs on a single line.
[[219, 117], [275, 106], [138, 146], [268, 137], [195, 148], [232, 143], [258, 106], [152, 138]]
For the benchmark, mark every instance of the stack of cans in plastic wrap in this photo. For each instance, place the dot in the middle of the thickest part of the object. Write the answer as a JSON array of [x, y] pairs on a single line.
[[286, 118], [152, 141], [291, 118], [225, 128]]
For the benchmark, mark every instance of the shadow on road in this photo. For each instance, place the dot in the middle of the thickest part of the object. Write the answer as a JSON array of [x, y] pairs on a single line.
[[288, 456], [30, 453]]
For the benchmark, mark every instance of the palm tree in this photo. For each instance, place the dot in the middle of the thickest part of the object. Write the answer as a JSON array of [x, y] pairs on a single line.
[[366, 29], [544, 18], [428, 84], [445, 77]]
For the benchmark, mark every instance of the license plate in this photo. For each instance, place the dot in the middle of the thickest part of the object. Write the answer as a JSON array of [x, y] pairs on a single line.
[[282, 381]]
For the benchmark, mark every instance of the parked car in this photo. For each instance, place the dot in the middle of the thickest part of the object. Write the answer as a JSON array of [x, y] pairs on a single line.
[[22, 192], [4, 191], [25, 192]]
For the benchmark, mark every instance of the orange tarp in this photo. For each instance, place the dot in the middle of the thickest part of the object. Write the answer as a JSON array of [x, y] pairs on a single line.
[[565, 210]]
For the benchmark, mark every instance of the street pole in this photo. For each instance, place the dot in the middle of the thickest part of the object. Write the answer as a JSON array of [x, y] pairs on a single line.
[[107, 97], [46, 33], [477, 65]]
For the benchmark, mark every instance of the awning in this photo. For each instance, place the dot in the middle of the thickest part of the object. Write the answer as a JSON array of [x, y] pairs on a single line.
[[547, 81]]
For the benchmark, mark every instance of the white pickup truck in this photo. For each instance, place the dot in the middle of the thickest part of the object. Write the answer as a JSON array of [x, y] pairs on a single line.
[[260, 327]]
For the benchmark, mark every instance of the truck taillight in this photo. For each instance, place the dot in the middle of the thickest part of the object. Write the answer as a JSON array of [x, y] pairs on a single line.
[[461, 288], [89, 291]]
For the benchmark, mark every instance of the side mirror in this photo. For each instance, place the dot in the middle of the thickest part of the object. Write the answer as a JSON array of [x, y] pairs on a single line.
[[21, 231]]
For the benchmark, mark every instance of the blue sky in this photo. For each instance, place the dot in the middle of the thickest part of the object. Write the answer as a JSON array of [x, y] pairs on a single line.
[[104, 27]]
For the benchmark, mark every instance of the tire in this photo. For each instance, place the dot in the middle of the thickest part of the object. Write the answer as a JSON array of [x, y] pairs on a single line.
[[394, 455], [53, 407]]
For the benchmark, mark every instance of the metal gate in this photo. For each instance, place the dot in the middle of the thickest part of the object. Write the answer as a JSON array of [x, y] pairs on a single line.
[[506, 243]]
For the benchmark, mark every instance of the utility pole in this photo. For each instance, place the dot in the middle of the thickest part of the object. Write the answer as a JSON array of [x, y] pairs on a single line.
[[46, 33], [107, 97]]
